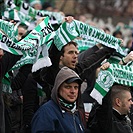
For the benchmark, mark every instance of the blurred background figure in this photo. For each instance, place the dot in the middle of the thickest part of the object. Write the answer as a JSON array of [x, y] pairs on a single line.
[[36, 4], [82, 18], [22, 30]]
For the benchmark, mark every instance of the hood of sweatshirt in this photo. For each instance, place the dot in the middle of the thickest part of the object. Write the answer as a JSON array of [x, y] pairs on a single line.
[[64, 75]]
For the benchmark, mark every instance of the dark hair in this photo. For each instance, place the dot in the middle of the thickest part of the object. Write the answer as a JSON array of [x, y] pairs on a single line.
[[23, 25], [69, 43], [46, 5], [117, 32], [106, 29], [118, 91]]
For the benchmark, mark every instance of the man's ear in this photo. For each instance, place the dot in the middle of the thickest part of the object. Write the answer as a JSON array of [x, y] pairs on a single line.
[[118, 102]]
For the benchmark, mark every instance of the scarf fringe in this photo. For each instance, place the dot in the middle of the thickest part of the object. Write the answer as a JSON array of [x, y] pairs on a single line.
[[42, 62]]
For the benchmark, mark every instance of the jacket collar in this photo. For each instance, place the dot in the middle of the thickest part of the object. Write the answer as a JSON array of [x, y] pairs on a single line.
[[118, 115]]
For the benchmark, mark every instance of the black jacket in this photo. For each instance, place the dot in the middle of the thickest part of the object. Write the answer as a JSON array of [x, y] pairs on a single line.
[[107, 120], [6, 63]]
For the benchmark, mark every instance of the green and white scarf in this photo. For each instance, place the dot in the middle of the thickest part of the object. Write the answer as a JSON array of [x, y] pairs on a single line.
[[84, 44], [7, 28], [69, 31], [13, 14], [6, 84], [115, 73], [35, 14], [31, 46]]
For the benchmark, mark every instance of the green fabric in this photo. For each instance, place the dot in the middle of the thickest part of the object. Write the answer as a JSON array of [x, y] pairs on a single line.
[[70, 31], [31, 46], [120, 74]]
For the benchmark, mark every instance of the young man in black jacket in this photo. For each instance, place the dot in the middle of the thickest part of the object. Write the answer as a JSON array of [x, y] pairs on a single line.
[[68, 56]]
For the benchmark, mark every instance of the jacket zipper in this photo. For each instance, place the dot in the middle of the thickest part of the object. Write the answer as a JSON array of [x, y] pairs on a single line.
[[75, 124]]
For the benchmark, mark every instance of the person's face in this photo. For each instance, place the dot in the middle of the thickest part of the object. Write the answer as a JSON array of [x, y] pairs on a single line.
[[1, 53], [69, 91], [69, 57], [126, 103], [21, 31], [119, 36], [38, 6]]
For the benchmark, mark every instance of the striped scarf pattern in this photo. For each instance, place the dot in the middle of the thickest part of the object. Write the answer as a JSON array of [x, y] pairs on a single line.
[[69, 31], [31, 46], [116, 73], [33, 13]]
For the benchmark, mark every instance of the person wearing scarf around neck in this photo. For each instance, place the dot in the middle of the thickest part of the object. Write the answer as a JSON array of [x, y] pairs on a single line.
[[62, 114]]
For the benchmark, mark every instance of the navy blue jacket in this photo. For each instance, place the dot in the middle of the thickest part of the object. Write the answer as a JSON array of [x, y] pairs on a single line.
[[52, 117], [48, 119]]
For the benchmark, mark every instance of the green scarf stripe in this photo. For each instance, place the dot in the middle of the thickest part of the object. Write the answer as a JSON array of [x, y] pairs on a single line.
[[14, 51], [30, 11], [130, 69], [28, 47], [69, 30], [114, 59], [47, 38], [3, 45], [110, 70], [24, 18], [125, 26], [84, 45], [79, 29], [49, 44], [42, 26], [38, 28], [60, 36], [116, 73], [6, 79], [90, 31], [114, 65], [17, 15], [11, 14], [10, 4], [122, 73], [58, 39], [7, 28], [100, 89], [37, 34], [128, 27], [64, 35]]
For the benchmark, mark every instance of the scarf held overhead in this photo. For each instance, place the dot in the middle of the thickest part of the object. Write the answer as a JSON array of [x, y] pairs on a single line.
[[70, 31], [31, 46], [115, 73]]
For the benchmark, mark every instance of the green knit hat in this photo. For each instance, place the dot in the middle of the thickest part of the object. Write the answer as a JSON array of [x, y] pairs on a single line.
[[33, 2]]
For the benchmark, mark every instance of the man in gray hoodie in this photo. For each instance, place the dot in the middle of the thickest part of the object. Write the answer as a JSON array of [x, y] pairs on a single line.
[[63, 113]]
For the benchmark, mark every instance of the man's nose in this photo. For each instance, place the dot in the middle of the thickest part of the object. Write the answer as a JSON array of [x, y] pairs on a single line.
[[72, 89], [75, 55]]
